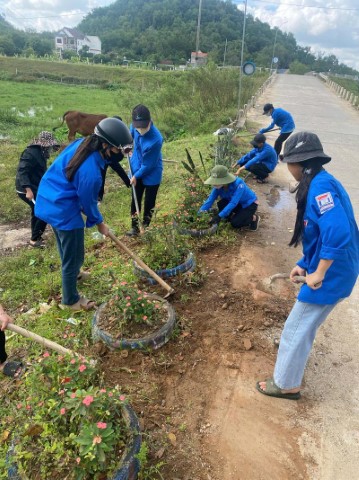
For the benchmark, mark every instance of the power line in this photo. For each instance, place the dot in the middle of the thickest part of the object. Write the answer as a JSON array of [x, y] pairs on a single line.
[[48, 16], [308, 6]]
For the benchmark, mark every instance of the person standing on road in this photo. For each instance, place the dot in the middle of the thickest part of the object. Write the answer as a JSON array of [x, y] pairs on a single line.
[[32, 166], [282, 119], [237, 203], [146, 165], [260, 161], [326, 226], [69, 189]]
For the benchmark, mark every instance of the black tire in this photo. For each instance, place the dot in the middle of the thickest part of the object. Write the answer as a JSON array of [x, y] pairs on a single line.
[[197, 233], [153, 341], [187, 266]]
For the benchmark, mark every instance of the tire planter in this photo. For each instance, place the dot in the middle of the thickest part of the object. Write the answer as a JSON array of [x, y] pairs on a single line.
[[187, 266], [196, 233], [153, 341], [129, 465]]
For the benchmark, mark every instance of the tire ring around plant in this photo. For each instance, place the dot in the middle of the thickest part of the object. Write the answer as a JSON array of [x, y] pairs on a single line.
[[187, 266], [129, 464], [154, 341], [196, 233]]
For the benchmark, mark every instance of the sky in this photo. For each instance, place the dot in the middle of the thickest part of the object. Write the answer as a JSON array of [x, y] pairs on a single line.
[[333, 29]]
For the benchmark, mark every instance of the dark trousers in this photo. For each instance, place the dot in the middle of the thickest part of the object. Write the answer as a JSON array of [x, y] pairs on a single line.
[[71, 246], [239, 217], [3, 355], [150, 192], [260, 170], [279, 142], [102, 189], [37, 225]]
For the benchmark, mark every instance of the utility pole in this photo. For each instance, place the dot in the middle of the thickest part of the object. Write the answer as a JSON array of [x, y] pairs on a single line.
[[198, 27], [275, 42], [225, 52], [242, 53]]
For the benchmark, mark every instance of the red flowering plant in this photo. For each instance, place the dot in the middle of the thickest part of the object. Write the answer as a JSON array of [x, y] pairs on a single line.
[[131, 311], [64, 427]]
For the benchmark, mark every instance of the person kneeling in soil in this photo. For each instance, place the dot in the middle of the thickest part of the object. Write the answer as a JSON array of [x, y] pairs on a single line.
[[260, 161], [237, 202], [32, 166], [11, 369], [69, 189], [326, 226]]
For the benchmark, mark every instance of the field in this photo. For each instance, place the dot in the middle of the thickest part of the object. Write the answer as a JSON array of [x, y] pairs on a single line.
[[187, 108]]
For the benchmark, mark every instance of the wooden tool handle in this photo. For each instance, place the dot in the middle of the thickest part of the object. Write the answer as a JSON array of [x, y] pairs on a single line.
[[141, 263], [43, 341]]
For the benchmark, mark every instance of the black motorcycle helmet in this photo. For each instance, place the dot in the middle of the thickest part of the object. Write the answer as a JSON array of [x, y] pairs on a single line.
[[114, 132]]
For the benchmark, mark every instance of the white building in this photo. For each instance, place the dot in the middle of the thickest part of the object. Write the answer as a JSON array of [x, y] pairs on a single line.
[[73, 39]]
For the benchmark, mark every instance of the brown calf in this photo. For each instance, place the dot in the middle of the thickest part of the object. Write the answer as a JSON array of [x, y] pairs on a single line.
[[79, 122]]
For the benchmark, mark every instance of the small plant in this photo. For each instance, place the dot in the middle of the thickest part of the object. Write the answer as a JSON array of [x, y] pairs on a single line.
[[163, 247], [225, 151]]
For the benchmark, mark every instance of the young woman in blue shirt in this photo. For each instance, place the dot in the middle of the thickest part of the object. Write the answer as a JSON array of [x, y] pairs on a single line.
[[68, 190], [326, 227]]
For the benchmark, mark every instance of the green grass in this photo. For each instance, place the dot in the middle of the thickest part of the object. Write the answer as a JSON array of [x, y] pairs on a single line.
[[350, 85]]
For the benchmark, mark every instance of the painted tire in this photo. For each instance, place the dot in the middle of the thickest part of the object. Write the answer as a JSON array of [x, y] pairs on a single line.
[[187, 266], [153, 341], [196, 233], [129, 465]]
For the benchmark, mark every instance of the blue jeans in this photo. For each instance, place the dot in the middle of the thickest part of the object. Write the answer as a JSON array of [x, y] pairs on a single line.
[[71, 246], [296, 342]]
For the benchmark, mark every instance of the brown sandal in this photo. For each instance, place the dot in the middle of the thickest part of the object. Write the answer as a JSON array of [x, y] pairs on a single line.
[[82, 304]]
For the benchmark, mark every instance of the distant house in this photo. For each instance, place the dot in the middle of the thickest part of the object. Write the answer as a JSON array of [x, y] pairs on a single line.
[[73, 39], [198, 59]]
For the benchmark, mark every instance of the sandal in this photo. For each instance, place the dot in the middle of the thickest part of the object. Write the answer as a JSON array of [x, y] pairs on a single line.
[[83, 276], [83, 303], [37, 244], [14, 369], [273, 391]]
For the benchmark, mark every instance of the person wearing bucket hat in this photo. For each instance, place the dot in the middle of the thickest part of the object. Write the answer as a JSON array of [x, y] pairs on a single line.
[[326, 227], [260, 161], [282, 119], [69, 191], [236, 203], [31, 168], [146, 166]]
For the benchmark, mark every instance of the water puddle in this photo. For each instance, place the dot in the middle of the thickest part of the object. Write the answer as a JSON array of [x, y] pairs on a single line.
[[279, 198], [32, 111]]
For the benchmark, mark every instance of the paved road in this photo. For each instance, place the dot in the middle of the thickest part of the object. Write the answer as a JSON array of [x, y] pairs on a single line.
[[332, 376]]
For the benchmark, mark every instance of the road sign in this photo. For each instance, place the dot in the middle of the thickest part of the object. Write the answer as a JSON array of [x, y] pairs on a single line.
[[248, 68], [275, 59]]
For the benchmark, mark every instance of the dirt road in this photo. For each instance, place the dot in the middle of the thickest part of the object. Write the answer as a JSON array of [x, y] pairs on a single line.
[[316, 438]]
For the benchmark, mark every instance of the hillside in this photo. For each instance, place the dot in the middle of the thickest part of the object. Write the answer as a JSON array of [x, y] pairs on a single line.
[[155, 30]]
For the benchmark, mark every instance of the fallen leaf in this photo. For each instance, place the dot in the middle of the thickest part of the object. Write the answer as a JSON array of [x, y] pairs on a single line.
[[4, 436], [172, 438], [33, 430], [159, 453], [32, 262]]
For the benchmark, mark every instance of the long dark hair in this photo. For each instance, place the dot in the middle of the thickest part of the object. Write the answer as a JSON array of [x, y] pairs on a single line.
[[91, 144], [311, 168]]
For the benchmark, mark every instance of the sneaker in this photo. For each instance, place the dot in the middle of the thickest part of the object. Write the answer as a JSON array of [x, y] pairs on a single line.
[[254, 223], [134, 232], [262, 180], [281, 157]]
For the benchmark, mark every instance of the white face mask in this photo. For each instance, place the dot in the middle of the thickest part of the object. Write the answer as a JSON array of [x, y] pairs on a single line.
[[268, 114], [217, 187]]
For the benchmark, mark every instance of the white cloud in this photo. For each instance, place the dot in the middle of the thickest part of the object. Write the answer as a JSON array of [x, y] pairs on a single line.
[[333, 30]]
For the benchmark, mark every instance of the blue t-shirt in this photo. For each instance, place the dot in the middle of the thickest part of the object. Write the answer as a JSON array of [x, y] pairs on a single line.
[[266, 155], [236, 193], [60, 202], [282, 119], [146, 158], [330, 233]]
